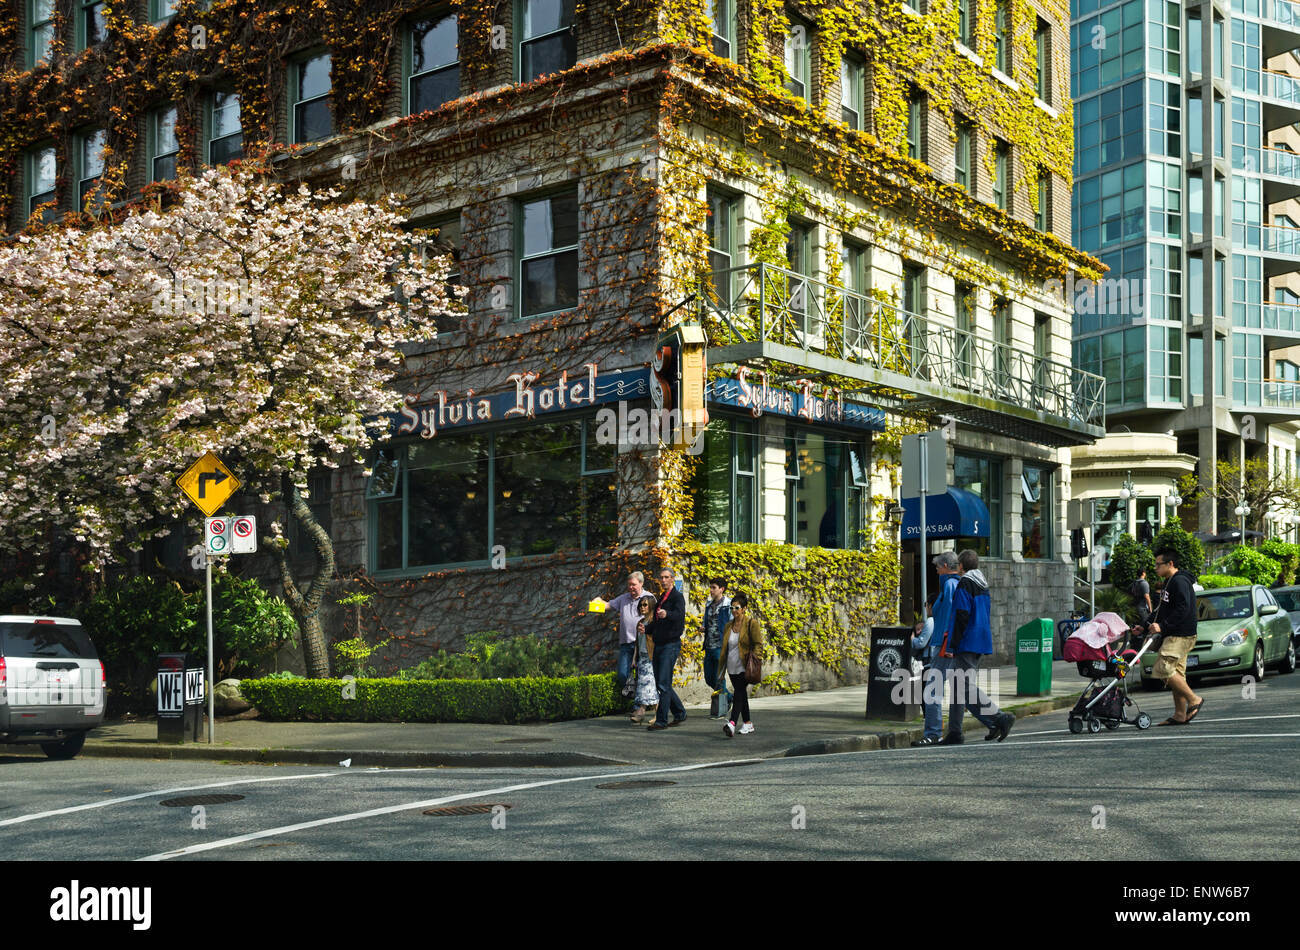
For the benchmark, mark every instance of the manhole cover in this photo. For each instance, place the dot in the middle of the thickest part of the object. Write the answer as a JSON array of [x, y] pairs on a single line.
[[465, 809], [200, 800], [522, 741], [640, 784]]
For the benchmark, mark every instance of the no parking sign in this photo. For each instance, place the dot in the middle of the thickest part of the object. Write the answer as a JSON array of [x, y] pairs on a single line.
[[235, 535]]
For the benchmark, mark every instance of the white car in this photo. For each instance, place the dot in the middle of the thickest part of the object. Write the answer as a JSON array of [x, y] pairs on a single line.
[[52, 684]]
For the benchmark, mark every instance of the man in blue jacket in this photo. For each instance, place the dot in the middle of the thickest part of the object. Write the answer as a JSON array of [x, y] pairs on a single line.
[[666, 630], [932, 679], [971, 640]]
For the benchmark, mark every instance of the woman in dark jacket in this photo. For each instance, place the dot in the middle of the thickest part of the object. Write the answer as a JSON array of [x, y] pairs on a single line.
[[744, 635]]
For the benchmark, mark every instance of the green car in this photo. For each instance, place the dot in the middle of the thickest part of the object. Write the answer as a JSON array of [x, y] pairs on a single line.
[[1239, 630]]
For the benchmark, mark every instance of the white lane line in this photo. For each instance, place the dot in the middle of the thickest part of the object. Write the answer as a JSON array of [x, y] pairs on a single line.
[[428, 803], [1055, 732], [192, 788], [1181, 736]]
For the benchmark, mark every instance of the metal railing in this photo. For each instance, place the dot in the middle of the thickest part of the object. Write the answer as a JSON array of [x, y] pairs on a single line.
[[1283, 317], [762, 303], [1280, 86], [1280, 162], [1268, 393], [1272, 238], [1284, 12]]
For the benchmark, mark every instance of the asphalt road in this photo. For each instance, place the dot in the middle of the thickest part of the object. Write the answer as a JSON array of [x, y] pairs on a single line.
[[1222, 788]]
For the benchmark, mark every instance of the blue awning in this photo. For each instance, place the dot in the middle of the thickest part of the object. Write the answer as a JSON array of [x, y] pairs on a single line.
[[954, 514]]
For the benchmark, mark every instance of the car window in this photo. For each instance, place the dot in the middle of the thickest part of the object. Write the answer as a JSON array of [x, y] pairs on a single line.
[[61, 641], [1261, 597], [1223, 606], [1287, 600]]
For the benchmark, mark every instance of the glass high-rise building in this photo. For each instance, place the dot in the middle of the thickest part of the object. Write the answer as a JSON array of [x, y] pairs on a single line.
[[1187, 175]]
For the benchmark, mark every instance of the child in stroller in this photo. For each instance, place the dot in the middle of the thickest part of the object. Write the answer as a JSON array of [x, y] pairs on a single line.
[[1098, 647]]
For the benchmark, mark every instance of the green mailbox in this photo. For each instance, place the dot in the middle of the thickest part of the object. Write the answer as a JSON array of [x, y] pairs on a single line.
[[1034, 643]]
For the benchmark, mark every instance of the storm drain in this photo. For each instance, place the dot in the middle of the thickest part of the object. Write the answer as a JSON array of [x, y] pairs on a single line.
[[522, 741], [450, 810], [200, 800], [646, 783]]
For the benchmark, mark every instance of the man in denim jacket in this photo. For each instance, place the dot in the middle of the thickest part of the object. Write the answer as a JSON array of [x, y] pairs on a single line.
[[717, 614]]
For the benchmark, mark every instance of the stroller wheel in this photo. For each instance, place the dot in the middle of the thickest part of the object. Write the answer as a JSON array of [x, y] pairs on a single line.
[[1094, 725], [1143, 721], [1112, 726], [1076, 725]]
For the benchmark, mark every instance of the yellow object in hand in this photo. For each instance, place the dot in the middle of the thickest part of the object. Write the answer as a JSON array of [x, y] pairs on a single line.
[[597, 606]]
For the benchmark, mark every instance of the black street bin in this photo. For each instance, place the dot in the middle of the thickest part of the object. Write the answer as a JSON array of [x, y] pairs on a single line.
[[181, 695], [892, 691]]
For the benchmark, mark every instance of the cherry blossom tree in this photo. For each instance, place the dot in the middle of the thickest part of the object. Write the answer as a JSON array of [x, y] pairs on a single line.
[[257, 321]]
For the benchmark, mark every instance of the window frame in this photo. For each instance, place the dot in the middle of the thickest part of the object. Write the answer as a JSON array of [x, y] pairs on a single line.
[[31, 161], [33, 28], [297, 65], [209, 122], [728, 16], [152, 154], [915, 125], [1042, 215], [80, 140], [731, 225], [994, 503], [156, 15], [83, 10], [851, 491], [853, 72], [1047, 486], [1043, 58], [521, 10], [801, 56], [521, 257], [1002, 44], [964, 156], [409, 76], [1002, 175], [966, 23]]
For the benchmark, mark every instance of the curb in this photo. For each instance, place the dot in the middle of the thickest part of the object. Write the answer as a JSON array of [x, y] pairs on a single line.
[[903, 738], [364, 759]]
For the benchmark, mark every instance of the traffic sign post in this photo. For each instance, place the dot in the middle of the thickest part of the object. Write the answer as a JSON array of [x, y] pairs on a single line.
[[209, 484]]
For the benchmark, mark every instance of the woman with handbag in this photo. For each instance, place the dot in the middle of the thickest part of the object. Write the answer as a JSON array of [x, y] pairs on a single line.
[[742, 658], [647, 697]]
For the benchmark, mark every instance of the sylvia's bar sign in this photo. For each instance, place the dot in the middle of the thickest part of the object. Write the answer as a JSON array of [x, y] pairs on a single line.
[[525, 400]]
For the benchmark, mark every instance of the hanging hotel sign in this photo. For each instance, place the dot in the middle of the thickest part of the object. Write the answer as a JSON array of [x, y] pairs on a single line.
[[751, 391], [528, 397]]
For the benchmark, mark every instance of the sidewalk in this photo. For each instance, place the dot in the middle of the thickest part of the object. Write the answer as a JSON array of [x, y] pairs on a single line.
[[799, 724]]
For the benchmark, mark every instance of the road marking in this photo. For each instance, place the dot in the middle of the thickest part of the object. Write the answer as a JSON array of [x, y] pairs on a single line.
[[191, 788], [1053, 732], [428, 803]]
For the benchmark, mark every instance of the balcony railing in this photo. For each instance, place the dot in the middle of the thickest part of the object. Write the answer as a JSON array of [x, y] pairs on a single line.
[[1266, 393], [1279, 86], [765, 304], [1270, 238], [1284, 12], [1280, 162]]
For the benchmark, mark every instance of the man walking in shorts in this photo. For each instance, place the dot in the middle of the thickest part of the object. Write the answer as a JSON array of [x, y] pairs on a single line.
[[1175, 621]]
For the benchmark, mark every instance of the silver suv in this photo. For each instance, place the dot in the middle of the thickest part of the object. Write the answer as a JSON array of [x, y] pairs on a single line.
[[52, 684]]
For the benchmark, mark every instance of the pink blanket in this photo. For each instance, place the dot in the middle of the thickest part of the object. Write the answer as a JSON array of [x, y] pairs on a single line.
[[1102, 629]]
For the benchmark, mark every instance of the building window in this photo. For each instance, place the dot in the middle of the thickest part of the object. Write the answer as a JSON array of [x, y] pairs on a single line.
[[1036, 512], [449, 500], [433, 64], [798, 58], [1002, 37], [965, 155], [915, 139], [1043, 79], [964, 344], [446, 239], [89, 155], [724, 244], [160, 10], [966, 23], [163, 144], [853, 274], [548, 264], [91, 25], [225, 133], [825, 480], [724, 486], [40, 31], [981, 476], [722, 16], [799, 259], [1110, 523], [1001, 172], [547, 42], [301, 544], [311, 112], [41, 176], [852, 91]]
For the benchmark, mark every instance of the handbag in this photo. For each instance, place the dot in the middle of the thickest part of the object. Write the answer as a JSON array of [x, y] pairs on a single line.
[[753, 667]]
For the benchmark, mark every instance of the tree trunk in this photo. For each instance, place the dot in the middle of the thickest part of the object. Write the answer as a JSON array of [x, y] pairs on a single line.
[[306, 606]]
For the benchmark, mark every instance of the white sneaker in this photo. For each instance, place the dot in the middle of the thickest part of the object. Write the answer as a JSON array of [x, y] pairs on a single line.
[[729, 728], [747, 728]]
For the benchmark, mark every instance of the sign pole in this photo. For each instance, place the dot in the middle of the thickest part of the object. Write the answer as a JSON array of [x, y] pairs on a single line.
[[211, 702], [925, 565]]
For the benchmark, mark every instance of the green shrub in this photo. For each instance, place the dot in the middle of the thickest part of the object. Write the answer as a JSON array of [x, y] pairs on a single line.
[[1127, 560], [1287, 555], [1189, 554], [487, 656], [1245, 561], [134, 619], [1211, 581], [350, 656], [1116, 601], [394, 700]]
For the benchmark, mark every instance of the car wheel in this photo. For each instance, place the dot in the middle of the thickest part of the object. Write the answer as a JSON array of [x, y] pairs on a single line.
[[1287, 664], [1257, 667], [66, 749], [1152, 684]]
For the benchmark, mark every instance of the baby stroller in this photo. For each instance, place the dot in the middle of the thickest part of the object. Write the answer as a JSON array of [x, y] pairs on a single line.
[[1098, 648]]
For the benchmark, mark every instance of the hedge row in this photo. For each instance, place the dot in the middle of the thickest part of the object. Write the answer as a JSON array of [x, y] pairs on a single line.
[[1211, 581], [391, 700]]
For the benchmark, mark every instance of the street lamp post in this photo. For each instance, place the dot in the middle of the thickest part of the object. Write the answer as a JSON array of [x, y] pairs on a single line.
[[1241, 511], [1173, 500], [1127, 491]]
